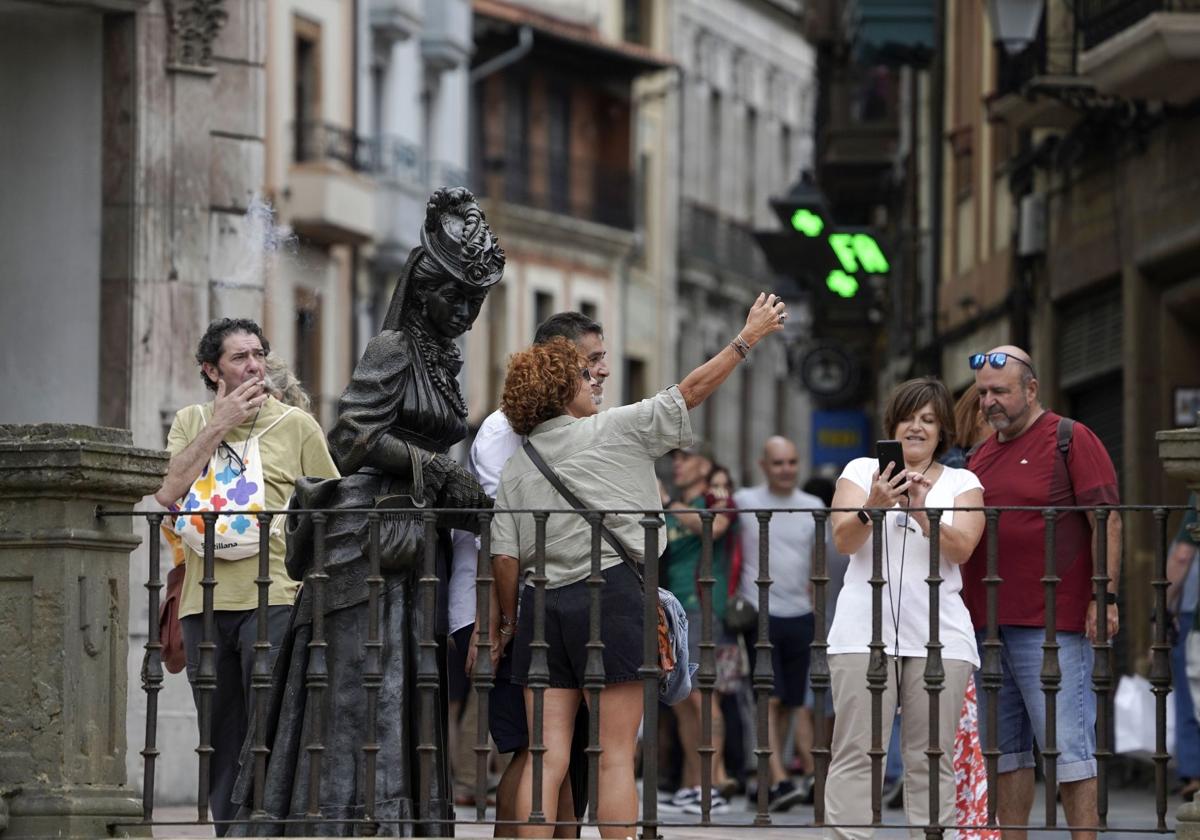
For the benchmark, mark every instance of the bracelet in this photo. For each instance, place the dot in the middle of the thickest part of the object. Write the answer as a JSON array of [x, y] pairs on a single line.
[[507, 631], [740, 346], [505, 621]]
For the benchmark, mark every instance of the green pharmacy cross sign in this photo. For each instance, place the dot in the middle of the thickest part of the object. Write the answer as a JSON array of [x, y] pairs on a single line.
[[807, 222]]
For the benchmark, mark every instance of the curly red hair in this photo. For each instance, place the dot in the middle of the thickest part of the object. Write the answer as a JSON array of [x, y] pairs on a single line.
[[539, 383]]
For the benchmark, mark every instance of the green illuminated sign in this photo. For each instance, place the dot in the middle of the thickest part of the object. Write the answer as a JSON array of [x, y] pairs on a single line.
[[857, 251], [807, 222], [841, 283]]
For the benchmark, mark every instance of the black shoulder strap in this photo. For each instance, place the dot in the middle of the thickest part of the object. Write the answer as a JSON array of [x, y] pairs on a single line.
[[575, 502], [1066, 429]]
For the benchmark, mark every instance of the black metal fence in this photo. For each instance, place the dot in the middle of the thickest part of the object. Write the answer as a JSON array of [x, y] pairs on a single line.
[[426, 583]]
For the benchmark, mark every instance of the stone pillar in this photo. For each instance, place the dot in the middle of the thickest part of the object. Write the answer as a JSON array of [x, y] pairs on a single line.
[[64, 605], [1179, 451]]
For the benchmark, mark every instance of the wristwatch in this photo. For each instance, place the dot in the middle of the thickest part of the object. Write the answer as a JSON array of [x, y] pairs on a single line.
[[1110, 597], [863, 517]]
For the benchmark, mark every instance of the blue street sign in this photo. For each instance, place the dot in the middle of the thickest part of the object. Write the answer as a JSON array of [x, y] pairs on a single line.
[[839, 437]]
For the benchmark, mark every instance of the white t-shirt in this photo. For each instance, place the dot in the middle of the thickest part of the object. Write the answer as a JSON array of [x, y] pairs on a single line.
[[494, 445], [909, 600], [791, 549]]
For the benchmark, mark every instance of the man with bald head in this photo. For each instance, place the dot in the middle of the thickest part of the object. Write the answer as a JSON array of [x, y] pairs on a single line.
[[1039, 459], [792, 537]]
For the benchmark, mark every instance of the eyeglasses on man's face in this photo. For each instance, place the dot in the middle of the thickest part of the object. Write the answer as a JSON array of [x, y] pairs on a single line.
[[586, 374], [996, 360]]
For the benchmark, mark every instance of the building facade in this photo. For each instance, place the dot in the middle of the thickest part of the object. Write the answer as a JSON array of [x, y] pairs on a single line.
[[1068, 183], [745, 98]]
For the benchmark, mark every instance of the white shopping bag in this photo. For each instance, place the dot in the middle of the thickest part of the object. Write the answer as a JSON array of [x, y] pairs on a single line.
[[1133, 714]]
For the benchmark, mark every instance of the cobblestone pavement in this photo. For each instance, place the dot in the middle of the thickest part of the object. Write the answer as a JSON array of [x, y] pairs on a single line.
[[1129, 808]]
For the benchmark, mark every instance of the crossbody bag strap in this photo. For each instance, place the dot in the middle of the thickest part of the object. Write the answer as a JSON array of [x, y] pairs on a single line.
[[575, 502]]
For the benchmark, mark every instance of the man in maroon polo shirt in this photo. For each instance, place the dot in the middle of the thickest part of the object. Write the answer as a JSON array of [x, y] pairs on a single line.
[[1023, 465]]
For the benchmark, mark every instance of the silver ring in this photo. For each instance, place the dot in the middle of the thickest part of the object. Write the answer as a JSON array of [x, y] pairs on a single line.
[[782, 317]]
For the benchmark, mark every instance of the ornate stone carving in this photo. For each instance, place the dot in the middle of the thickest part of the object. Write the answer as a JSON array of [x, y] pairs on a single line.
[[193, 26]]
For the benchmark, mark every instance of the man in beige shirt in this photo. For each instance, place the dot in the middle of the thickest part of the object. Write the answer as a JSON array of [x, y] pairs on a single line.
[[232, 358]]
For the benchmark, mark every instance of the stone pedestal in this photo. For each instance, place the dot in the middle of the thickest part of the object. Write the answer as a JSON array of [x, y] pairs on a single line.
[[64, 605], [1179, 450]]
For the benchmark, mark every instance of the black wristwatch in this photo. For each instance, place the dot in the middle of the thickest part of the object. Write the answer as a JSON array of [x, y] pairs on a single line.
[[1110, 597], [863, 517]]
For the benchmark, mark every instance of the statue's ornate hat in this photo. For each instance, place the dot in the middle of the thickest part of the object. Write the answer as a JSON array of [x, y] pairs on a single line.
[[458, 238]]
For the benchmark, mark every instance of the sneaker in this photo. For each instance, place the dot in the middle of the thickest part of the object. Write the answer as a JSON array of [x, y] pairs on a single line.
[[806, 786], [719, 804], [680, 800], [783, 796]]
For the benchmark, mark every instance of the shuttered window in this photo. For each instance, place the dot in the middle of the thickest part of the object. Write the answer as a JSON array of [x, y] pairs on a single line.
[[1089, 344]]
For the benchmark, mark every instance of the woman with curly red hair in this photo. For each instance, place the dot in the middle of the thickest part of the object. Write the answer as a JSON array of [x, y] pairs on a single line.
[[607, 460]]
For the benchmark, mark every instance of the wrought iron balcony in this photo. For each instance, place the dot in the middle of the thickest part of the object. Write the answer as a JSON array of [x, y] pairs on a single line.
[[572, 185], [321, 141], [726, 244], [1100, 20]]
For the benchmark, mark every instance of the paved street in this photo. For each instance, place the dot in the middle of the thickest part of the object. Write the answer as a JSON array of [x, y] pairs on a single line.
[[1129, 808]]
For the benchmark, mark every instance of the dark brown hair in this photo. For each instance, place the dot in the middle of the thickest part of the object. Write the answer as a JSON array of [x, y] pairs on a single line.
[[907, 397], [540, 382]]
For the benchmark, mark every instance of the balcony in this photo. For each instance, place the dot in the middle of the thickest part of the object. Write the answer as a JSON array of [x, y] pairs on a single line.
[[1034, 86], [395, 20], [720, 243], [572, 185], [330, 197], [446, 39], [1142, 49], [405, 178]]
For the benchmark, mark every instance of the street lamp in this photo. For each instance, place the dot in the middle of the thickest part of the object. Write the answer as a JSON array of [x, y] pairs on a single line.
[[1015, 22]]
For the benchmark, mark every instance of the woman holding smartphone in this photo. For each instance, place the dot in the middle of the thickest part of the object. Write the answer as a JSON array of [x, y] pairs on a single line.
[[920, 416]]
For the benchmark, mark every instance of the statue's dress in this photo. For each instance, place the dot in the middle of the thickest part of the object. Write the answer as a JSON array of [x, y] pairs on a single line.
[[402, 390]]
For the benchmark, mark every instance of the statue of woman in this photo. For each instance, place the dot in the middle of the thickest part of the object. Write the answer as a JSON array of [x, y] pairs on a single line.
[[402, 410]]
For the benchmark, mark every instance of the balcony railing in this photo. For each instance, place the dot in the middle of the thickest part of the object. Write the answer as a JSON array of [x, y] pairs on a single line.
[[388, 156], [381, 573], [321, 141], [572, 185], [1100, 20], [729, 245]]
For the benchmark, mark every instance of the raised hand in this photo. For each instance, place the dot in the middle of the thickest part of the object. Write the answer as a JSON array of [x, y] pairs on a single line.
[[235, 408], [766, 316]]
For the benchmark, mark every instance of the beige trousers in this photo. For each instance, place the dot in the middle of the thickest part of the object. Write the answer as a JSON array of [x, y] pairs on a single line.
[[848, 787]]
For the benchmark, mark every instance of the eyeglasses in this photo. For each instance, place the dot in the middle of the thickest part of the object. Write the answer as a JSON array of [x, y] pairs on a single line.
[[586, 374], [996, 360]]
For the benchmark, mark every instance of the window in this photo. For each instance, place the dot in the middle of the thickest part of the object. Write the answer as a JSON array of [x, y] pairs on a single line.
[[749, 151], [543, 307], [715, 161], [637, 22], [516, 139], [589, 310], [306, 103], [308, 341], [634, 380], [559, 129], [497, 321]]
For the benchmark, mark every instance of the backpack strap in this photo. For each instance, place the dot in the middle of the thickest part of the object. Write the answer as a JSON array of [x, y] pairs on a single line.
[[1066, 430]]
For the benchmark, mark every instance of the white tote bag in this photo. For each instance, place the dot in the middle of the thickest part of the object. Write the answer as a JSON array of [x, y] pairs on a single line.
[[231, 480]]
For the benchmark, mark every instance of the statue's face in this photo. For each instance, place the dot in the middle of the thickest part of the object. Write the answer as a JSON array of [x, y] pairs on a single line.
[[452, 307]]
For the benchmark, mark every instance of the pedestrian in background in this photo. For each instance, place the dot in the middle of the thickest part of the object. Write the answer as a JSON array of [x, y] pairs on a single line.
[[792, 537]]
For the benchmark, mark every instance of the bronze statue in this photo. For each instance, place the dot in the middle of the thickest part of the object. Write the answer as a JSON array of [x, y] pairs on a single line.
[[399, 416]]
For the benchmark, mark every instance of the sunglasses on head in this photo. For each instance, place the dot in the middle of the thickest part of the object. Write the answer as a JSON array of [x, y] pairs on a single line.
[[996, 360]]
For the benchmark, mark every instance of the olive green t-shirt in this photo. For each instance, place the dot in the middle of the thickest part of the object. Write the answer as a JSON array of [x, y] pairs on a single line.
[[293, 447]]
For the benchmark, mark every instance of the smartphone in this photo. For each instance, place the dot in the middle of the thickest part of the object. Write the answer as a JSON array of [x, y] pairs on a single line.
[[889, 452]]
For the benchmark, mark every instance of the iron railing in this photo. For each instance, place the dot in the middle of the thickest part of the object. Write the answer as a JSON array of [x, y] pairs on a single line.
[[1100, 20], [425, 581], [548, 178], [729, 245]]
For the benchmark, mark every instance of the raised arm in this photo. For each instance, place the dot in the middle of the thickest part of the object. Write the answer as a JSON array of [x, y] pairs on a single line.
[[229, 412], [766, 316]]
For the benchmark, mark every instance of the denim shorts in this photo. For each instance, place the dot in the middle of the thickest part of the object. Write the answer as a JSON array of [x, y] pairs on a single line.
[[567, 626], [1021, 707]]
